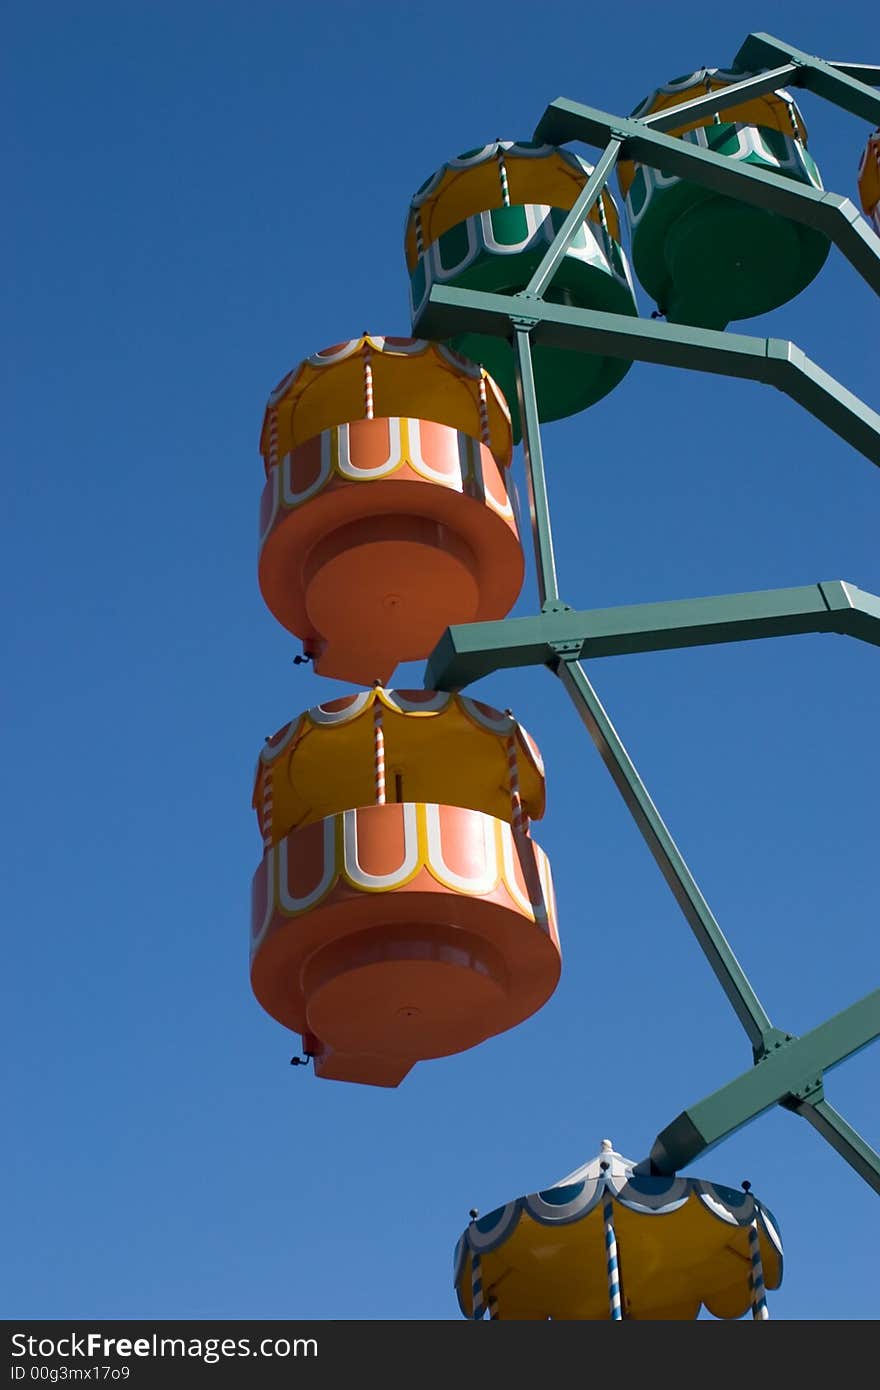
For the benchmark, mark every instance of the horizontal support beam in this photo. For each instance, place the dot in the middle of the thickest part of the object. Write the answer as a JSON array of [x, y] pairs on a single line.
[[448, 311], [835, 82], [791, 1073], [835, 217], [470, 651]]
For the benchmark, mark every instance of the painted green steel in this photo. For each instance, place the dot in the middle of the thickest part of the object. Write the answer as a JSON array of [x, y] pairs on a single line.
[[720, 99], [772, 361], [836, 218], [470, 651], [837, 1132], [539, 506], [592, 272], [790, 1073], [866, 73], [589, 194], [828, 80], [712, 941]]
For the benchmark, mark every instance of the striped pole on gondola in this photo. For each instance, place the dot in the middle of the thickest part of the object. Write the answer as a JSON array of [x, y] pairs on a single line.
[[273, 436], [519, 820], [759, 1293], [493, 1307], [379, 749], [502, 173], [267, 808], [368, 380], [479, 1306], [484, 413], [420, 236], [611, 1266]]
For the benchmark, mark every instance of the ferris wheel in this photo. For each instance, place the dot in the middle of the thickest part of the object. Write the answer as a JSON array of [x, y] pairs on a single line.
[[402, 909]]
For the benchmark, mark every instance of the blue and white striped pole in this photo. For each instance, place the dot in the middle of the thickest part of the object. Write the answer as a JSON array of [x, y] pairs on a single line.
[[611, 1266], [759, 1293], [479, 1305]]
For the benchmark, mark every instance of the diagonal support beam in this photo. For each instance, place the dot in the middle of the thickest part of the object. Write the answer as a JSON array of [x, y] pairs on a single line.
[[589, 194], [772, 361], [848, 85], [539, 504], [710, 938], [835, 1130], [790, 1074], [470, 651], [828, 213], [719, 100], [866, 73]]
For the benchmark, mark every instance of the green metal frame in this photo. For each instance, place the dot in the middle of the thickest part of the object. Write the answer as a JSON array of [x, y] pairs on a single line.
[[787, 1070]]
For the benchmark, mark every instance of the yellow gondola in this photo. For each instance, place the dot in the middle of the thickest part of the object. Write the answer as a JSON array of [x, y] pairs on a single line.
[[606, 1243]]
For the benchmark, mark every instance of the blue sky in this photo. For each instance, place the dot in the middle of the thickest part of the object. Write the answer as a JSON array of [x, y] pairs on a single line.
[[199, 196]]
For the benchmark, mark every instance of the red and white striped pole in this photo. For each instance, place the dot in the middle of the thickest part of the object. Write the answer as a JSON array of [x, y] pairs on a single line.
[[267, 808], [368, 380], [273, 436], [379, 748]]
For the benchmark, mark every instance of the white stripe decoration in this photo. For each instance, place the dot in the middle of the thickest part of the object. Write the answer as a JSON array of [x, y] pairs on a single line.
[[379, 749], [289, 902], [368, 380]]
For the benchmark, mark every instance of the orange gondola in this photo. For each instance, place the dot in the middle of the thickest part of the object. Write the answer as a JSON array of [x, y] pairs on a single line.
[[387, 513], [402, 910]]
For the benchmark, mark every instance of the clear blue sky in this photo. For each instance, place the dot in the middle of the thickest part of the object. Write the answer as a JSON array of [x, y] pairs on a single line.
[[200, 195]]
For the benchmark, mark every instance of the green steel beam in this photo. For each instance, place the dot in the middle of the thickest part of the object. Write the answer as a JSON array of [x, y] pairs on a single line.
[[868, 73], [836, 82], [588, 195], [711, 939], [836, 217], [470, 651], [721, 99], [539, 507], [791, 1074], [842, 1137], [772, 361]]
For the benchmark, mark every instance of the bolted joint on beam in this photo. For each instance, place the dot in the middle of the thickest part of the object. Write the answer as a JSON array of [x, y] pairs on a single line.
[[770, 1042], [564, 651], [809, 1092], [522, 324]]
